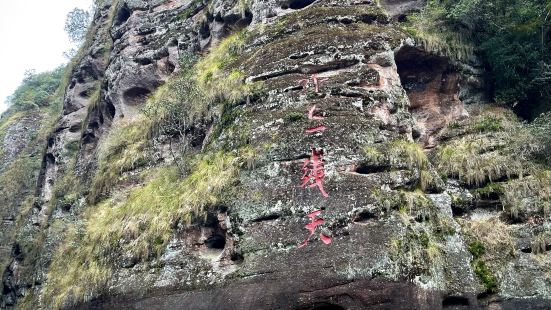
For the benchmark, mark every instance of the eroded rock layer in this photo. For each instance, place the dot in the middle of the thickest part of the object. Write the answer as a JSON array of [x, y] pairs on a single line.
[[344, 114]]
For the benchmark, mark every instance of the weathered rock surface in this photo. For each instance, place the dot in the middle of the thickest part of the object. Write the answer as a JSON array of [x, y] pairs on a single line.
[[399, 230]]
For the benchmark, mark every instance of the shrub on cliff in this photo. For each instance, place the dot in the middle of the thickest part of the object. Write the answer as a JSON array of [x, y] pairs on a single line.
[[37, 89], [541, 129], [512, 37]]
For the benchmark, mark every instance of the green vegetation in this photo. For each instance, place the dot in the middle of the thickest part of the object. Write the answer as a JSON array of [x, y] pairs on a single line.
[[482, 271], [415, 252], [540, 129], [500, 157], [529, 193], [415, 204], [477, 249], [491, 244], [37, 90], [138, 223], [430, 28], [495, 145], [402, 153], [463, 160], [512, 37], [295, 117], [485, 275], [215, 80], [124, 149], [35, 105], [398, 152], [488, 124], [177, 104], [138, 226]]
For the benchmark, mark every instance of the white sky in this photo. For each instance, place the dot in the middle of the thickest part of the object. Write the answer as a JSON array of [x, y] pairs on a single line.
[[32, 37]]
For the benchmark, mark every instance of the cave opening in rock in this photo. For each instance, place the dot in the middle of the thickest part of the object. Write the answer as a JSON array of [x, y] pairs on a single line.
[[110, 109], [216, 242], [432, 86], [17, 252], [50, 159], [370, 169], [363, 217], [204, 30], [454, 301], [297, 4], [122, 15], [136, 95]]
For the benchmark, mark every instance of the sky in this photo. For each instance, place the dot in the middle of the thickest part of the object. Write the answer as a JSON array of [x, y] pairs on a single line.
[[32, 37]]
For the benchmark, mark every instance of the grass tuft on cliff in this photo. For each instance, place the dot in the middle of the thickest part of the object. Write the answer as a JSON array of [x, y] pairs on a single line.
[[402, 154], [137, 225], [491, 244], [494, 145], [428, 27], [124, 149], [497, 155], [146, 219], [215, 78]]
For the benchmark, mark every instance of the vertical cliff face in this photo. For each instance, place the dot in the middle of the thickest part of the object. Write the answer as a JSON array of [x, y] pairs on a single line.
[[322, 159]]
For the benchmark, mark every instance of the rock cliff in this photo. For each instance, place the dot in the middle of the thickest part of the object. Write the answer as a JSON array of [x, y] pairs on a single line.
[[272, 154]]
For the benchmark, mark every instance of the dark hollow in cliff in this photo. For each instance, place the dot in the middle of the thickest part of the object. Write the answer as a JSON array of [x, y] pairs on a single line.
[[297, 4], [432, 86], [136, 95], [122, 15], [455, 302]]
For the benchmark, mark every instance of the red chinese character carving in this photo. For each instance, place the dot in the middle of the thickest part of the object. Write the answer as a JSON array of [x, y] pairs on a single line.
[[313, 172], [319, 128], [311, 113], [314, 223], [325, 239]]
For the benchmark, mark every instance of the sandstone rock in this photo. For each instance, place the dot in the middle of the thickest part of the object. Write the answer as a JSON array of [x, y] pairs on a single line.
[[339, 81]]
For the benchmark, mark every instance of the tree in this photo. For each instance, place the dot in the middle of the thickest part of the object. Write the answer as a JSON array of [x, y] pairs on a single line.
[[76, 25], [512, 38], [37, 89]]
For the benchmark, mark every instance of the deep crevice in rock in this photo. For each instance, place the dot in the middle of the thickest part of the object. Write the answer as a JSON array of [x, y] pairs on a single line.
[[270, 217], [298, 157], [364, 217], [299, 56], [330, 66], [454, 301], [122, 15], [215, 242], [298, 4], [272, 75], [110, 109], [75, 128], [370, 169], [204, 30], [8, 297], [17, 252], [136, 95], [88, 138], [50, 159]]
